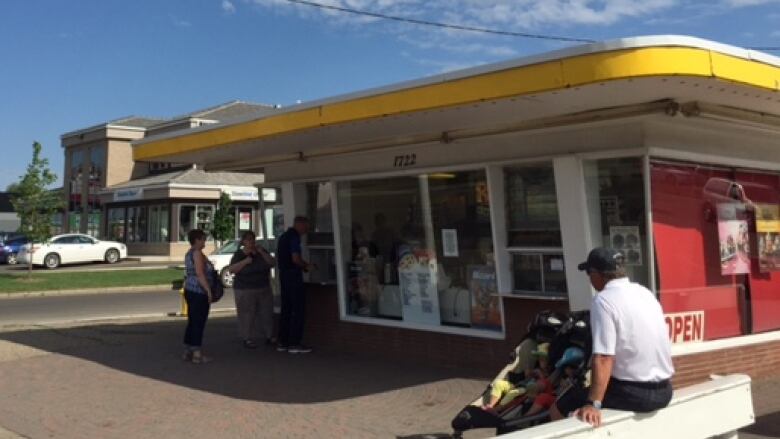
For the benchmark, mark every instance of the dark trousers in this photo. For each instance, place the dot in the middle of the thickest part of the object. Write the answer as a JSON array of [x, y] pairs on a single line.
[[622, 395], [291, 320], [197, 313]]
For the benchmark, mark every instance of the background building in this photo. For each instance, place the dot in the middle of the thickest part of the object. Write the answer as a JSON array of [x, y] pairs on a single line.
[[147, 199], [9, 220]]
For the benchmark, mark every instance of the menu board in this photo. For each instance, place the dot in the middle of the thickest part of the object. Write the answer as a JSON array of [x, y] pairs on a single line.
[[417, 276], [768, 231], [485, 312]]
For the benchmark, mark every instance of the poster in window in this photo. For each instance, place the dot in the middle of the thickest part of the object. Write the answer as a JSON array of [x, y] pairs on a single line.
[[733, 239], [626, 240], [768, 231], [485, 312], [363, 287], [449, 240], [244, 220], [418, 279]]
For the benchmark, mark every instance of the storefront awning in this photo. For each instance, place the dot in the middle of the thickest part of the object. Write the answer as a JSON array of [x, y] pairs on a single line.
[[603, 75]]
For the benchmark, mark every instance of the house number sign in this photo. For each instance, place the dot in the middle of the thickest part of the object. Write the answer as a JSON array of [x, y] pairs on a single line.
[[405, 160]]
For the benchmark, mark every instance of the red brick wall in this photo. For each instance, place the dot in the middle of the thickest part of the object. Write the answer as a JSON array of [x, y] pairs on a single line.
[[758, 361], [483, 356]]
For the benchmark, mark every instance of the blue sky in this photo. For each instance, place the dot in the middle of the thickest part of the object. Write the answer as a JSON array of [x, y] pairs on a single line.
[[67, 65]]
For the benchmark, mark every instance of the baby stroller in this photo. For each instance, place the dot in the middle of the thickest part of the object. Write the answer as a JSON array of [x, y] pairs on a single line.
[[569, 347]]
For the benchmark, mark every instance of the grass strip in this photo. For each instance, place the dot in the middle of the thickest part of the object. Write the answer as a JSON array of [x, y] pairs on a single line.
[[16, 283]]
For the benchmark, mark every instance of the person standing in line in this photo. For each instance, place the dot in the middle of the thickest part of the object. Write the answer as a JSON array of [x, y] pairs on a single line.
[[291, 269], [251, 265], [632, 359], [197, 294]]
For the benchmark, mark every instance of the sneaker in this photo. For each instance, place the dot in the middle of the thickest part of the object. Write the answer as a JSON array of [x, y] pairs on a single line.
[[270, 341], [282, 348], [249, 344], [299, 349]]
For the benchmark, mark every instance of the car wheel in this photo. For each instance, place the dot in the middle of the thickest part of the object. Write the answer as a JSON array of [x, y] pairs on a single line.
[[11, 259], [227, 278], [52, 260], [112, 256]]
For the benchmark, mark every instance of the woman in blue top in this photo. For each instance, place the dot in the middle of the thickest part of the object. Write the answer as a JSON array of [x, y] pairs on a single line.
[[197, 293]]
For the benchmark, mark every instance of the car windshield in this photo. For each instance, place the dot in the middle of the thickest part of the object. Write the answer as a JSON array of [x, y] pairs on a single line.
[[16, 241], [230, 247]]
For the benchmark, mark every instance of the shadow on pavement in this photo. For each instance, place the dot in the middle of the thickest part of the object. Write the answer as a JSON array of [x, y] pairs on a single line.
[[153, 350], [766, 426]]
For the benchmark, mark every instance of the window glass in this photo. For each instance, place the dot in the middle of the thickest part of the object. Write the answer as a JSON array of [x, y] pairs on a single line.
[[158, 224], [229, 248], [67, 240], [186, 220], [419, 249], [318, 210], [692, 222], [116, 224], [137, 224], [532, 207], [85, 240], [616, 207], [205, 216]]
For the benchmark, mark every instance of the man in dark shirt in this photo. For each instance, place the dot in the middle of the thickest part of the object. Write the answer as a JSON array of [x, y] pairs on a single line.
[[291, 269]]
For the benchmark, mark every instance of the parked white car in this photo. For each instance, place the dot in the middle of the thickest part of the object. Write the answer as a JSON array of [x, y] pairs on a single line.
[[220, 259], [72, 248]]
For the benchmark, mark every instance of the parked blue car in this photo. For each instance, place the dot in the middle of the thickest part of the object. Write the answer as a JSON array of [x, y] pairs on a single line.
[[10, 248]]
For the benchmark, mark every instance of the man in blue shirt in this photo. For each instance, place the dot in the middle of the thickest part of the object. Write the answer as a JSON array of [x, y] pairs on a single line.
[[291, 269]]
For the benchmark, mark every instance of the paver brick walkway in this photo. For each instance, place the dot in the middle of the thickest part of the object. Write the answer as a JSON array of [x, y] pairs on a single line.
[[126, 380]]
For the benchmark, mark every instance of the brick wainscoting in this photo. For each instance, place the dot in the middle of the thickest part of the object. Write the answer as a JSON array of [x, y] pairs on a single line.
[[486, 356], [759, 361], [483, 356]]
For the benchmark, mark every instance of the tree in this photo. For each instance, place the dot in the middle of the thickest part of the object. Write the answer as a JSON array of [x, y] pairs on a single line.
[[34, 202], [224, 221]]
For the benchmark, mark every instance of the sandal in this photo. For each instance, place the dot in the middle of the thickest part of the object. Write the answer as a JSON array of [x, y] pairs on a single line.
[[199, 358]]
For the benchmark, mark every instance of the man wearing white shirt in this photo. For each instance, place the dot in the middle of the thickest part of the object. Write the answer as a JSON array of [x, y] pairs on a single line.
[[632, 360]]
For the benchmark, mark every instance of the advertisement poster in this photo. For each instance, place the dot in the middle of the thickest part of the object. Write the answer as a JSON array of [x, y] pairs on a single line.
[[733, 239], [363, 288], [768, 231], [484, 297], [417, 275], [625, 239], [244, 220], [449, 239]]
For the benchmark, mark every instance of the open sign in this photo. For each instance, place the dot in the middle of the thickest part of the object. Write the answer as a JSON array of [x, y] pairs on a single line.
[[685, 327]]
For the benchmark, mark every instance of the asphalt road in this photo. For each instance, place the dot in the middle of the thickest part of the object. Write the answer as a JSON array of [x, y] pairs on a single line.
[[59, 309]]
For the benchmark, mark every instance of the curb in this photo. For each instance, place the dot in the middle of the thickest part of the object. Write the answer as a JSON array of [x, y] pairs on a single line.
[[85, 291]]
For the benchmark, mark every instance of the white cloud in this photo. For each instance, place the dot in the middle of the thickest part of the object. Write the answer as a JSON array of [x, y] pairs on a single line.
[[178, 22], [490, 13], [228, 7], [746, 3]]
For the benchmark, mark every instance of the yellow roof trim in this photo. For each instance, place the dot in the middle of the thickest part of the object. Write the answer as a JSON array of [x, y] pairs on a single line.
[[517, 81]]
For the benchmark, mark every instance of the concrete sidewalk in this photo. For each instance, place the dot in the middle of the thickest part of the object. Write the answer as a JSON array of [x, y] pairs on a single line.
[[126, 380]]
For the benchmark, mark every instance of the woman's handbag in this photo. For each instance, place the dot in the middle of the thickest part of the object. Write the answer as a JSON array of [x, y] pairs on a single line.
[[215, 283]]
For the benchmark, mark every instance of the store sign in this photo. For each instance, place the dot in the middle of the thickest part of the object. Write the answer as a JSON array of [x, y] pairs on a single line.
[[685, 327], [129, 194], [244, 194]]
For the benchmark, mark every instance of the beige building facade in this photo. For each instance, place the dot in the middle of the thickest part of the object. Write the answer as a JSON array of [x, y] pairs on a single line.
[[148, 205]]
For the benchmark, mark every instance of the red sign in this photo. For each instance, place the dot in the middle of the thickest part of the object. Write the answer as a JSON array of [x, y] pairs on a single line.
[[685, 327]]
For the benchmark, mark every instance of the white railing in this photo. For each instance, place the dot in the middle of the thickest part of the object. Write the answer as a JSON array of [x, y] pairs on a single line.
[[716, 408]]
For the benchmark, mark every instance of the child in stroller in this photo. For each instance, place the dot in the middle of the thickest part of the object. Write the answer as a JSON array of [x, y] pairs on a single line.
[[525, 389]]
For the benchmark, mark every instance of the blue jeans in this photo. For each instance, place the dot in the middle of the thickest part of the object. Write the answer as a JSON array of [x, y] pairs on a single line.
[[197, 313], [291, 320]]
